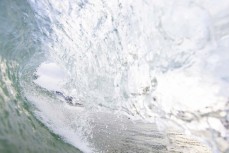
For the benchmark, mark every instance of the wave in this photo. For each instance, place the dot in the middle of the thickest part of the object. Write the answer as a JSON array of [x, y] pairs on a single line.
[[112, 76]]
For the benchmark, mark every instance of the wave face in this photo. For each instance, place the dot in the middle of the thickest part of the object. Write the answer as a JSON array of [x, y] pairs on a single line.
[[117, 51], [118, 76]]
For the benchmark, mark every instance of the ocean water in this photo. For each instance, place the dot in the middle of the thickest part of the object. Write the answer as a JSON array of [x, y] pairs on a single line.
[[114, 76]]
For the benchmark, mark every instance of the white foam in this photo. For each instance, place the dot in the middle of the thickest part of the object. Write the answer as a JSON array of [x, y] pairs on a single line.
[[65, 122], [180, 90], [115, 51]]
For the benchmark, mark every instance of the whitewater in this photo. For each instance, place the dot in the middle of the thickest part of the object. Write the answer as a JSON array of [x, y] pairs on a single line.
[[114, 76]]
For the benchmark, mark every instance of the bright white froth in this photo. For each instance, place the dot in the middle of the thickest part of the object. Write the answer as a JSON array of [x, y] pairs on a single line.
[[147, 59]]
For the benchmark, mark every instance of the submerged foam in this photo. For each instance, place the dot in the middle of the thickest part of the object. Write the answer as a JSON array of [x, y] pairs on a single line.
[[110, 62], [147, 60]]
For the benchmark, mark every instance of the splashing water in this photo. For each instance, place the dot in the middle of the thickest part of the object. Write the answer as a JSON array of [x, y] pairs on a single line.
[[131, 76]]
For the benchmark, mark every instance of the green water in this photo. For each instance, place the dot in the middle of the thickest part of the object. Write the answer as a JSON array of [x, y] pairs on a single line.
[[20, 132]]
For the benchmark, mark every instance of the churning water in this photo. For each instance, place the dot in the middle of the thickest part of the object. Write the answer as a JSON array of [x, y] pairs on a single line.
[[114, 76]]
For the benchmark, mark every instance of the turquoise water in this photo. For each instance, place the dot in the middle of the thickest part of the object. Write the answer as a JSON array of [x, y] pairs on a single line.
[[81, 76]]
